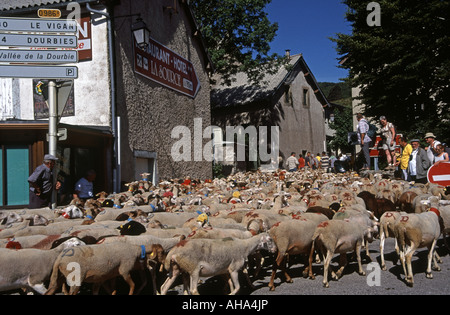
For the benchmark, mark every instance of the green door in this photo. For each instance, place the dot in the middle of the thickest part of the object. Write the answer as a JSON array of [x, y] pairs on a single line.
[[16, 171]]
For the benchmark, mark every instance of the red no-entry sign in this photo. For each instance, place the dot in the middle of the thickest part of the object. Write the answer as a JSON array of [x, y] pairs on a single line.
[[440, 174]]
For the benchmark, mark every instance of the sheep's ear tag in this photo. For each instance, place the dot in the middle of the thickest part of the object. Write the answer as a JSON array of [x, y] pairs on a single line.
[[142, 252]]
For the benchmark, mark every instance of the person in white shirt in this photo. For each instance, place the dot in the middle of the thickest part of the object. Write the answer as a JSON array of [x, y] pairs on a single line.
[[292, 163], [84, 188], [418, 163]]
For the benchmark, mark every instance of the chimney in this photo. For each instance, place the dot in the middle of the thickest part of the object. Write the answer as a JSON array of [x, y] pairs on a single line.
[[288, 53]]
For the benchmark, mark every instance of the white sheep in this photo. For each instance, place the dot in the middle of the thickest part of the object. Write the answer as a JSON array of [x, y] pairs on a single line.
[[29, 268], [339, 236], [210, 257], [98, 264], [414, 231]]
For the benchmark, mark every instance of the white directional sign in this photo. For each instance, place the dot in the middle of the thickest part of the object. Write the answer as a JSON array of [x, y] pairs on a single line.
[[39, 72], [39, 56], [37, 25], [33, 40]]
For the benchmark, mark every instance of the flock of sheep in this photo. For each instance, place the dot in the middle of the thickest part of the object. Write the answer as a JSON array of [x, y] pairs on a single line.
[[200, 229]]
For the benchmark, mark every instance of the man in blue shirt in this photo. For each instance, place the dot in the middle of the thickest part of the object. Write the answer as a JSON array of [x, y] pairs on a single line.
[[84, 188], [41, 183]]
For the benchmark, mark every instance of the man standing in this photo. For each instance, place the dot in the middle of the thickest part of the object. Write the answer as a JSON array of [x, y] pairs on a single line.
[[430, 138], [292, 163], [418, 163], [364, 139], [41, 182], [301, 162], [404, 159], [325, 162], [84, 188]]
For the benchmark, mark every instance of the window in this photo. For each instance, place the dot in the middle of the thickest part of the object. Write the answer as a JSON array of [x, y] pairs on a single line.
[[305, 97], [288, 96], [146, 162]]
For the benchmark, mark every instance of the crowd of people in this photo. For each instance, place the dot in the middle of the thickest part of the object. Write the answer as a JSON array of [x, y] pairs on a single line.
[[413, 162], [328, 163]]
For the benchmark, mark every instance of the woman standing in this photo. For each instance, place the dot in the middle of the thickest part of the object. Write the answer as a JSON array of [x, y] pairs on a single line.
[[388, 138]]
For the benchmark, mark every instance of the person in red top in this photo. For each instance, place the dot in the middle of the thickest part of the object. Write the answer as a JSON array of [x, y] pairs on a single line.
[[301, 162]]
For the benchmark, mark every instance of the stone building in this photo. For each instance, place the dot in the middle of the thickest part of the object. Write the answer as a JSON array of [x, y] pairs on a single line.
[[120, 111], [290, 99]]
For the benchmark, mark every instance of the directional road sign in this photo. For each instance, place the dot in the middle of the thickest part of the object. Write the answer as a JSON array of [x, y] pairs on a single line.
[[33, 40], [38, 72], [39, 56], [37, 25]]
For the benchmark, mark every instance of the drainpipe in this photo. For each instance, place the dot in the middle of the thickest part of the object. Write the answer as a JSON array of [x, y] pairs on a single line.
[[116, 153]]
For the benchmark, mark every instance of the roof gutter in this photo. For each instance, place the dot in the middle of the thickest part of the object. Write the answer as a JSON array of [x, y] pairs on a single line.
[[116, 153]]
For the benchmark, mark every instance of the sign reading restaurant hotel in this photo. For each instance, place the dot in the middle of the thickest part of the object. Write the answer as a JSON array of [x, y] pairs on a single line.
[[162, 65]]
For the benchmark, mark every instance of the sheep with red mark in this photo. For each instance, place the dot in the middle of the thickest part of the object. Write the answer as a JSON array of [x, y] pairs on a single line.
[[99, 264], [387, 223], [294, 237], [29, 268], [36, 241], [339, 236], [210, 257], [413, 231]]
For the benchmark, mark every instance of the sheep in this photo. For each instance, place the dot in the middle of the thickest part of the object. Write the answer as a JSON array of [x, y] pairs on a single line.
[[339, 236], [37, 241], [293, 237], [405, 201], [210, 257], [414, 231], [51, 229], [166, 243], [445, 215], [387, 222], [29, 268], [98, 264]]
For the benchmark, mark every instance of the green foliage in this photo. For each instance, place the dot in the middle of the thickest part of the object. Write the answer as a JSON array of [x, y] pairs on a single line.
[[342, 124], [237, 34], [402, 66]]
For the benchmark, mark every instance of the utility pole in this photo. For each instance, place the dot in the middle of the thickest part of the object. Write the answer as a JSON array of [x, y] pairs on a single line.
[[52, 129]]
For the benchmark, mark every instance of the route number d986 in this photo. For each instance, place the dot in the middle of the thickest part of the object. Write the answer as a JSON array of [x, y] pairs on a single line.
[[49, 13]]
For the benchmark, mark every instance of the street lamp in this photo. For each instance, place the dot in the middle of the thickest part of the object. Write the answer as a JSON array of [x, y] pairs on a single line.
[[141, 33]]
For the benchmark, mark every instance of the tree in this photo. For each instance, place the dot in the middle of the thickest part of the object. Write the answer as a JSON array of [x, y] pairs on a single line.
[[403, 65], [342, 124], [237, 34]]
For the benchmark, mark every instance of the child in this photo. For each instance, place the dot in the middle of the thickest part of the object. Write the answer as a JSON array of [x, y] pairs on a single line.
[[441, 156]]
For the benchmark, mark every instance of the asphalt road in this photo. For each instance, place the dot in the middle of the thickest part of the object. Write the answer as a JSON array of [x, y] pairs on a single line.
[[389, 282]]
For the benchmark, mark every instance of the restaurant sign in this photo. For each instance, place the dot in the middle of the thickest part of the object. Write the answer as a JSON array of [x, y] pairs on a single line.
[[160, 64]]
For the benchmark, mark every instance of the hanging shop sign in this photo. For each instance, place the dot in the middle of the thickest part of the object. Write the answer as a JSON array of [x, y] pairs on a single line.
[[160, 64]]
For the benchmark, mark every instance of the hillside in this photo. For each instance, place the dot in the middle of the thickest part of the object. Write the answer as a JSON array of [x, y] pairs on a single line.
[[339, 93]]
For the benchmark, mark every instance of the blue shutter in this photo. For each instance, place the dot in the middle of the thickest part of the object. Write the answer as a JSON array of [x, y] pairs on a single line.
[[17, 172]]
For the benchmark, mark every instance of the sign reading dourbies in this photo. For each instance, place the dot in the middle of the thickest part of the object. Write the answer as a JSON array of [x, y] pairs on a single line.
[[160, 64]]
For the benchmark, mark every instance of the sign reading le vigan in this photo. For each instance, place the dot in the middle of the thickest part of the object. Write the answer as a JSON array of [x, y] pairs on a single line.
[[162, 65]]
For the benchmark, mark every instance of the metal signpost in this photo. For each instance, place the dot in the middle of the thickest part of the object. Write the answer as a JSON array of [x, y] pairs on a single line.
[[50, 34]]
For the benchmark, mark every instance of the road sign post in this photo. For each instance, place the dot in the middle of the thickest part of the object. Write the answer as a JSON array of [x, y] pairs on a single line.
[[34, 33]]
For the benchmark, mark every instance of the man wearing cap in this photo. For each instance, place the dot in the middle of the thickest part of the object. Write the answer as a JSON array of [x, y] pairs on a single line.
[[430, 138], [418, 163], [41, 183]]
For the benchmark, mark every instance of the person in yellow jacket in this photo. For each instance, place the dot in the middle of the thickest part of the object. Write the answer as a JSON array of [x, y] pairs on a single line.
[[404, 159]]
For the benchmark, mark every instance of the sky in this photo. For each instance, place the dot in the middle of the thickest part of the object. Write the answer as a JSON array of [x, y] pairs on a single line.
[[304, 26]]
